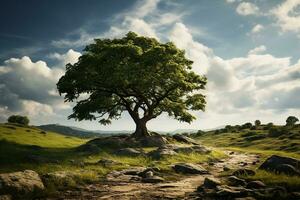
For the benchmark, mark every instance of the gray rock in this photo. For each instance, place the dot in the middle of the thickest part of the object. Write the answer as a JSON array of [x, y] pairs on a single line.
[[287, 169], [235, 181], [153, 179], [229, 192], [255, 185], [21, 184], [129, 152], [290, 166], [154, 141], [188, 168], [211, 182], [184, 139], [243, 172], [162, 152]]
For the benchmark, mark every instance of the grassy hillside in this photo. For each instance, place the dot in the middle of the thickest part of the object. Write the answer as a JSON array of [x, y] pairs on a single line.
[[266, 139], [34, 136]]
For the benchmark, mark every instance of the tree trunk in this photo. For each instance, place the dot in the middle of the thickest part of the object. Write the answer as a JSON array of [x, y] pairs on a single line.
[[141, 129]]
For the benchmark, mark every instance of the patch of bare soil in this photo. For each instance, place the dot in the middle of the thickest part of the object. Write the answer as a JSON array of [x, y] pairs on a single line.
[[129, 187]]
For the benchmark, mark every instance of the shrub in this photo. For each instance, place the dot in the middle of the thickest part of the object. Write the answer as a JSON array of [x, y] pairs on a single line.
[[247, 125], [276, 132], [257, 123], [18, 119]]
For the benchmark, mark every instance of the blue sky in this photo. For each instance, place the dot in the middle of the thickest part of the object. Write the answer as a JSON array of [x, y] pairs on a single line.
[[249, 50]]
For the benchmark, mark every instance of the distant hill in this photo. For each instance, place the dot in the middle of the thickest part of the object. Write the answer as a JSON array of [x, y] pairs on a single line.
[[78, 132]]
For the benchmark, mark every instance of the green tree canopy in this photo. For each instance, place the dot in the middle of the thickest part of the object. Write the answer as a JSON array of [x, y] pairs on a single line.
[[18, 119], [257, 123], [135, 74], [291, 120]]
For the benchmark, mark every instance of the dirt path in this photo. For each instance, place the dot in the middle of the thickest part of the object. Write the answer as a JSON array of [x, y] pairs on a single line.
[[126, 189]]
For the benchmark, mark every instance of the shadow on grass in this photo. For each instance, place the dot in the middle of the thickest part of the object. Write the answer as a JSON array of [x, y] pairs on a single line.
[[14, 156]]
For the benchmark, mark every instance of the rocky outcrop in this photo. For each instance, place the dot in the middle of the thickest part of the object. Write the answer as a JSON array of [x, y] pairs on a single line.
[[162, 152], [193, 149], [129, 152], [24, 184], [281, 164], [188, 168], [184, 139]]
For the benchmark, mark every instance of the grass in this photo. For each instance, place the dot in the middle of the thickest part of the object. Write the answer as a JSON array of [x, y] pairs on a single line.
[[289, 182], [17, 143], [288, 143]]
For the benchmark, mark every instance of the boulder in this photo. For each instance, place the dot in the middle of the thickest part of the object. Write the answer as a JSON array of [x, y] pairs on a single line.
[[255, 185], [161, 152], [129, 152], [210, 182], [24, 184], [243, 172], [188, 168], [281, 164], [146, 173], [225, 169], [153, 141], [184, 139], [89, 148], [235, 181]]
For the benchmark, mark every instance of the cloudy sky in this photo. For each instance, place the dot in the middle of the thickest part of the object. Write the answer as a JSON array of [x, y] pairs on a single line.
[[248, 49]]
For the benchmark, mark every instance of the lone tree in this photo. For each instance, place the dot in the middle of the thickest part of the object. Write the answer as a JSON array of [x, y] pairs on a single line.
[[291, 120], [135, 74], [18, 119], [257, 123]]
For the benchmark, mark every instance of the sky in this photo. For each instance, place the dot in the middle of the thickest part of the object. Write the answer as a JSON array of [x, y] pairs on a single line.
[[248, 49]]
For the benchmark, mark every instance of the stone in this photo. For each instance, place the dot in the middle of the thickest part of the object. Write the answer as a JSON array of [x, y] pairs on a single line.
[[287, 169], [211, 182], [255, 185], [229, 192], [188, 168], [129, 152], [146, 173], [153, 179], [243, 172], [162, 152], [235, 181], [24, 184], [153, 141], [184, 139], [290, 166]]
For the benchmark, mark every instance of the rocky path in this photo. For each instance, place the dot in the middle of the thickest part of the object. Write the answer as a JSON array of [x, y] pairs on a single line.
[[128, 187]]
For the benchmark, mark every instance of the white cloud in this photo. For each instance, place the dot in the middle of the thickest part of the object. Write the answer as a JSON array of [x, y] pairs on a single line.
[[288, 19], [247, 8], [29, 87], [257, 28], [258, 50], [230, 1]]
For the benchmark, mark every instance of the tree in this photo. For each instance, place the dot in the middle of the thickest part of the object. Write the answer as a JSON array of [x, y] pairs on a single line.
[[18, 119], [135, 74], [291, 120], [257, 123]]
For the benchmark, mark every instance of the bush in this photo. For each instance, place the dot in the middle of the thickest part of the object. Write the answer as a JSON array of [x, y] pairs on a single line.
[[257, 123], [247, 125], [18, 119], [276, 132]]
